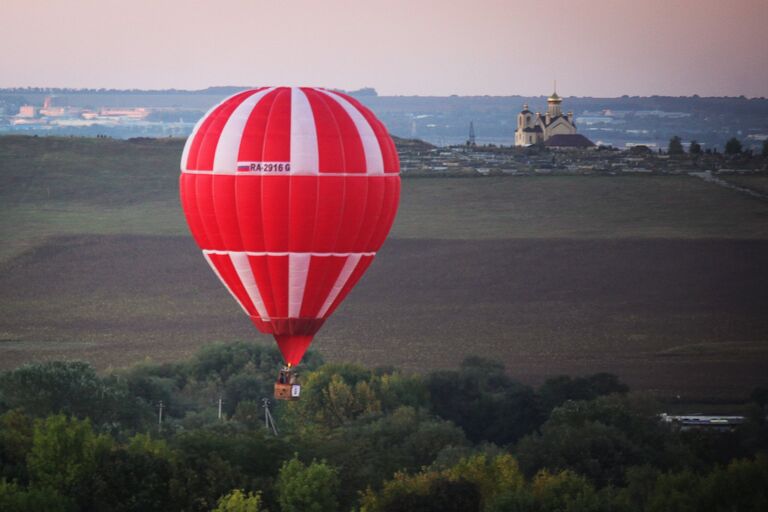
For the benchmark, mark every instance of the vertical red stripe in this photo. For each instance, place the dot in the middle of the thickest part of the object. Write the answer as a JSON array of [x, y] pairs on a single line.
[[275, 189], [252, 140], [187, 189], [323, 272], [354, 153], [385, 218], [329, 143], [277, 132], [388, 150], [260, 269], [388, 213], [278, 277], [302, 215], [331, 201], [207, 212], [373, 206], [225, 208], [248, 204], [275, 208], [355, 198]]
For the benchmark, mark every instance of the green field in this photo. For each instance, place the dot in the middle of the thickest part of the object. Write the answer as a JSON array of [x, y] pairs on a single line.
[[660, 279], [59, 186]]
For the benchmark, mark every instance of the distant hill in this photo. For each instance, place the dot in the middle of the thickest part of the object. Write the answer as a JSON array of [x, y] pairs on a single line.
[[444, 120]]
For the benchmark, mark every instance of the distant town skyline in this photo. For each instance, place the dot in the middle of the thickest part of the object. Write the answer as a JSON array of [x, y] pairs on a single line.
[[595, 48]]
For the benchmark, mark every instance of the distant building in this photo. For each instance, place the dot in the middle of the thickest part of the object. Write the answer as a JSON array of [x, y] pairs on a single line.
[[130, 113], [53, 112], [554, 126], [27, 111], [49, 110], [703, 422], [568, 140]]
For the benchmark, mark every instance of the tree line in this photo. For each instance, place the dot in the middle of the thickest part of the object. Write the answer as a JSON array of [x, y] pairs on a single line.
[[733, 147], [469, 439]]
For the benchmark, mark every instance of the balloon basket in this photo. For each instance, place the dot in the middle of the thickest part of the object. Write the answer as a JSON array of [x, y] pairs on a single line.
[[287, 386]]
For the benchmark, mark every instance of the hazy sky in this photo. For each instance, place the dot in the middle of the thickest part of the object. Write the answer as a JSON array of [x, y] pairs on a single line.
[[592, 47]]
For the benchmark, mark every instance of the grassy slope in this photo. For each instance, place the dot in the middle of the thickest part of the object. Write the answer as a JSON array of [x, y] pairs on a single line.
[[550, 248], [53, 186]]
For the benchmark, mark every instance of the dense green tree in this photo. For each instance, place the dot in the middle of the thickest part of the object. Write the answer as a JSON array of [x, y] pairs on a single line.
[[676, 492], [200, 479], [474, 483], [599, 449], [564, 492], [733, 146], [14, 498], [337, 394], [372, 448], [640, 483], [738, 486], [63, 453], [601, 439], [130, 480], [72, 388], [239, 501], [741, 485], [558, 390], [211, 462], [15, 443], [694, 148], [312, 488], [446, 495], [222, 361], [152, 385], [492, 476], [485, 402], [250, 414], [245, 388], [428, 491], [675, 146]]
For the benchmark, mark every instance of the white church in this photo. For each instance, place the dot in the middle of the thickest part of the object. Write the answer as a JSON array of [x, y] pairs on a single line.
[[552, 129]]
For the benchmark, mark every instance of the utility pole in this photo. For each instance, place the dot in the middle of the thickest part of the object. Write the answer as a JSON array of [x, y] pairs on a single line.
[[269, 421], [160, 416]]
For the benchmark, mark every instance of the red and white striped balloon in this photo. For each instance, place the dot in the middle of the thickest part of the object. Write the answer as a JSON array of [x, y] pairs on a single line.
[[289, 192]]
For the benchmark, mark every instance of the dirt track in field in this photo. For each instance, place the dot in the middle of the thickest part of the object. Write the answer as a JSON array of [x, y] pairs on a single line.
[[686, 317]]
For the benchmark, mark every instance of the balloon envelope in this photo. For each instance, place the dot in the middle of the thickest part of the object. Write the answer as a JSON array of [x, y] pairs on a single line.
[[289, 192]]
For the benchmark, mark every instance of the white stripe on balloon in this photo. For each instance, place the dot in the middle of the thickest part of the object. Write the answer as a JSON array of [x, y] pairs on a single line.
[[228, 148], [304, 152], [374, 161], [245, 274], [298, 269]]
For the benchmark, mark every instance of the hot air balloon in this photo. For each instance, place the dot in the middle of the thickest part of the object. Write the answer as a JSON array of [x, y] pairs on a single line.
[[289, 192]]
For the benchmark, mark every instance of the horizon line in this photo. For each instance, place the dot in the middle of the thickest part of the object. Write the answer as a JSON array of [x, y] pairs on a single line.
[[352, 91]]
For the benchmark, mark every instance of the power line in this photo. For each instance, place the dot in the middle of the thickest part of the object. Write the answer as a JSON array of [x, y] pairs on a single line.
[[269, 421]]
